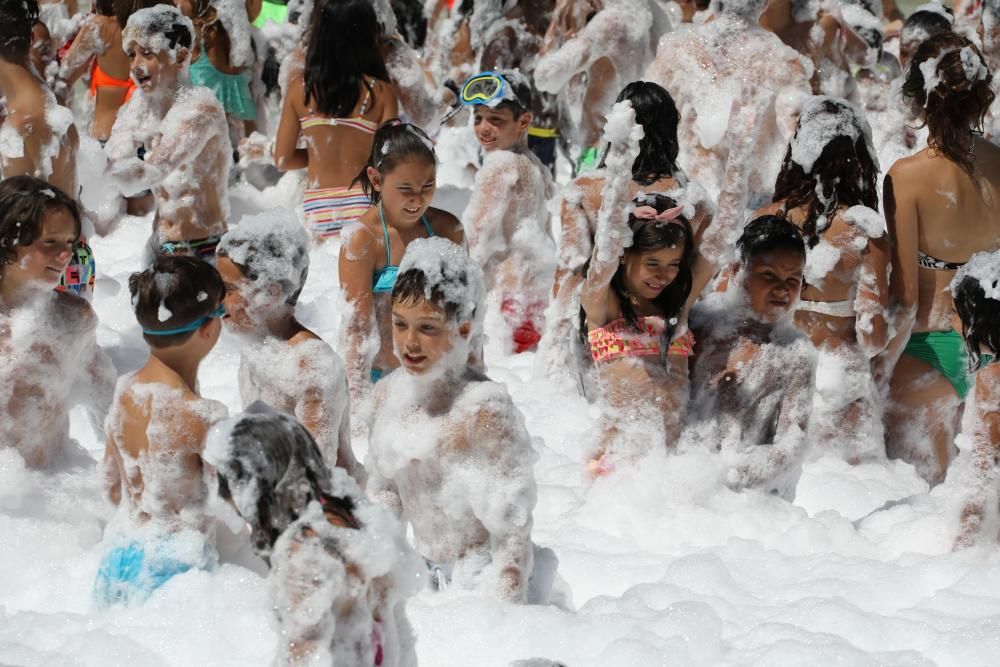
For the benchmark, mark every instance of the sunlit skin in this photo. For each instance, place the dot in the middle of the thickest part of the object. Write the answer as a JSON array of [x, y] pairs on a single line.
[[773, 283], [423, 335], [44, 261], [407, 190], [235, 298], [647, 274], [154, 70], [499, 129]]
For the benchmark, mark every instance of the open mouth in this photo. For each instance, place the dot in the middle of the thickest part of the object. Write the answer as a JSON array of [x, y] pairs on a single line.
[[655, 287], [487, 143], [413, 359], [141, 79], [412, 211]]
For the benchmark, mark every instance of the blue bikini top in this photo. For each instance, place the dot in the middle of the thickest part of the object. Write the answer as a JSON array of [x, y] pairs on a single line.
[[385, 277]]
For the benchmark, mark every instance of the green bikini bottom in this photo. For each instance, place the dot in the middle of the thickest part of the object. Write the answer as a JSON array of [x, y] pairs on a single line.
[[945, 352]]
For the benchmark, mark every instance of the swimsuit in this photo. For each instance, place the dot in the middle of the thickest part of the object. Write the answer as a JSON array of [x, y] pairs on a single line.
[[130, 573], [385, 278], [81, 272], [542, 142], [619, 339], [271, 11], [100, 79], [232, 90], [327, 210], [200, 248], [944, 351], [843, 308]]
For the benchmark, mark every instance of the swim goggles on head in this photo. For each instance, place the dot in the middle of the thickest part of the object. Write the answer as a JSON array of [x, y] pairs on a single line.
[[485, 88], [188, 328]]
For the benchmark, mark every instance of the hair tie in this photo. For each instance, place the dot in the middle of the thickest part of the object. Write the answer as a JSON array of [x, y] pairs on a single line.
[[650, 213]]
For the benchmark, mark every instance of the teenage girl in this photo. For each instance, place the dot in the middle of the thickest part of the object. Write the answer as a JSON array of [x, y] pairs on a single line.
[[337, 103], [400, 180]]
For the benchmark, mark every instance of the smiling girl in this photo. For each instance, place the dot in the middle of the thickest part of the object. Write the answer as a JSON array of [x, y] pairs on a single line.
[[631, 304], [400, 179]]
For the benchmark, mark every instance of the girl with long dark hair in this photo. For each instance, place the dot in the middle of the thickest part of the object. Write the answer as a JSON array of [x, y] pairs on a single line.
[[338, 102]]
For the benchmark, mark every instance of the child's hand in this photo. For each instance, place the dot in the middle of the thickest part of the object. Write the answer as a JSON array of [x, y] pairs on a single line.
[[255, 148], [600, 467]]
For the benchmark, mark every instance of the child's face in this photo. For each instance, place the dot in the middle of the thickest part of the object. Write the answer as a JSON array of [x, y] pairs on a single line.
[[237, 315], [498, 129], [44, 261], [423, 335], [41, 47], [773, 283], [647, 274], [407, 190], [154, 70]]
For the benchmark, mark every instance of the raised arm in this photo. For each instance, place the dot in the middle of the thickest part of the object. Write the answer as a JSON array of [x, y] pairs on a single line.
[[85, 47]]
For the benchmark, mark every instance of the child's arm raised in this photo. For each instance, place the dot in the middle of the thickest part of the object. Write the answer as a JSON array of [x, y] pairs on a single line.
[[622, 134], [86, 46]]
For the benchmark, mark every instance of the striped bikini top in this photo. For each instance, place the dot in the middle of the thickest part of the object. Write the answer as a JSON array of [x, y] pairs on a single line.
[[357, 122], [385, 278]]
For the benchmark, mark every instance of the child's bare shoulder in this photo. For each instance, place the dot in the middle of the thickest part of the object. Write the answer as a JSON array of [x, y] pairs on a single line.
[[358, 239], [445, 224], [196, 102], [73, 312]]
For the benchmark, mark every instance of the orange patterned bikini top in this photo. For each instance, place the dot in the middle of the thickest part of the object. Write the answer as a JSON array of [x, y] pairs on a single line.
[[618, 339]]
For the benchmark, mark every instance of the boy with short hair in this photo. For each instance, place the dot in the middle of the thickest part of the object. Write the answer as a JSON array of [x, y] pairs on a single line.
[[49, 357], [449, 452], [752, 373], [156, 432], [263, 263], [171, 137], [507, 222]]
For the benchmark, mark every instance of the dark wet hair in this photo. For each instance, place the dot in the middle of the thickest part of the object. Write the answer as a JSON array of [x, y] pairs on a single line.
[[657, 113], [411, 288], [24, 203], [16, 19], [104, 7], [265, 249], [651, 236], [845, 172], [394, 143], [277, 453], [521, 88], [175, 283], [164, 20], [928, 22], [768, 233], [342, 47], [980, 320], [956, 106]]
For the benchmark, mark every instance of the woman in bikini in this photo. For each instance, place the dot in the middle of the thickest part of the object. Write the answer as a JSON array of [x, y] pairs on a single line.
[[98, 48], [942, 205], [400, 180], [827, 187], [337, 103], [632, 299]]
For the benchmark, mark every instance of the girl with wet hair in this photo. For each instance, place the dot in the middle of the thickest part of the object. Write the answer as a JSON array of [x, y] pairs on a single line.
[[655, 169], [827, 187], [341, 569], [337, 103], [941, 208], [400, 179], [632, 300]]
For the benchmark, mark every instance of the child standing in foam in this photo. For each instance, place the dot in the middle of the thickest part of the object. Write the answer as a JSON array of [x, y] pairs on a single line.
[[222, 56], [263, 262], [341, 569], [448, 450], [49, 358], [977, 302], [337, 103], [400, 179], [828, 188], [153, 465], [171, 138], [507, 221], [752, 374]]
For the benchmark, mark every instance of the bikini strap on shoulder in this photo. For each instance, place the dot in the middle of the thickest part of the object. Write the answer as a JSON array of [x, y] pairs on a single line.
[[385, 231]]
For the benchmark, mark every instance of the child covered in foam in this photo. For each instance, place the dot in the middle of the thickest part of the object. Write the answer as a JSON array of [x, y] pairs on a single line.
[[506, 222], [49, 358], [977, 303], [449, 451], [341, 569], [264, 262], [752, 376], [153, 466], [171, 137]]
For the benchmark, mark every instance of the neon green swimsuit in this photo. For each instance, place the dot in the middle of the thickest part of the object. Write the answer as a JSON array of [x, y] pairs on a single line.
[[271, 11]]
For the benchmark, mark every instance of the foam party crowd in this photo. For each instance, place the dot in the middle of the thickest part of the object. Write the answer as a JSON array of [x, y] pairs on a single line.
[[528, 333]]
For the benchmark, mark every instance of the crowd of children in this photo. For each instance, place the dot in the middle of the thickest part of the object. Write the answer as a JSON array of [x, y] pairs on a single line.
[[772, 308]]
